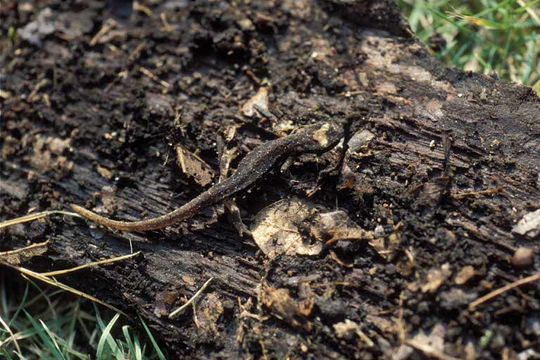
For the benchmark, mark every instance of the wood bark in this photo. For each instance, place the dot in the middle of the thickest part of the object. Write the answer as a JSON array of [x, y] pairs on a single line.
[[455, 160]]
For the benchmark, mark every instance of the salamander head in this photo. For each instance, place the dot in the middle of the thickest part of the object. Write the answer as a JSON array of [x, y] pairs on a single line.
[[321, 136]]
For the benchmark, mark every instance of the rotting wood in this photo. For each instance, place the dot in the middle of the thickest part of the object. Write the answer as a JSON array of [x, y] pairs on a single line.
[[322, 60]]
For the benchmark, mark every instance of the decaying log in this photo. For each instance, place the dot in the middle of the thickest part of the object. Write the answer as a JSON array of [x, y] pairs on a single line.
[[451, 164]]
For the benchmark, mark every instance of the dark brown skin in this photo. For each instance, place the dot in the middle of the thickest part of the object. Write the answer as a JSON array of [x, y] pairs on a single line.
[[309, 139]]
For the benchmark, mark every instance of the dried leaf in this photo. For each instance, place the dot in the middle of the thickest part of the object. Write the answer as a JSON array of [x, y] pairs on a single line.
[[337, 226], [284, 307], [194, 166], [260, 99], [431, 344], [106, 173], [360, 140], [464, 275], [347, 329], [529, 225], [276, 229], [47, 153], [16, 257], [163, 302], [435, 278], [386, 247], [208, 313], [321, 135], [34, 32]]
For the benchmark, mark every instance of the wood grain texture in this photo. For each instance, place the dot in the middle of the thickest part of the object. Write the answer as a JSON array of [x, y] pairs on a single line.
[[321, 65]]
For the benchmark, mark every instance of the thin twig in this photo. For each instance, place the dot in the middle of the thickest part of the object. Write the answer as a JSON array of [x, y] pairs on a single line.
[[429, 350], [17, 256], [472, 193], [35, 216], [182, 308], [495, 293], [54, 282], [107, 26], [11, 335], [91, 264], [154, 77]]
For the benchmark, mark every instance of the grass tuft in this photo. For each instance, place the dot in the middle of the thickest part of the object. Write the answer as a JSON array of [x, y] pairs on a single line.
[[50, 324], [484, 36]]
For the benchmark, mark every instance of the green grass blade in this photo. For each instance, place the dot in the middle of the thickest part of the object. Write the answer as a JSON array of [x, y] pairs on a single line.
[[106, 339], [158, 351], [133, 344], [49, 342], [53, 339], [21, 306]]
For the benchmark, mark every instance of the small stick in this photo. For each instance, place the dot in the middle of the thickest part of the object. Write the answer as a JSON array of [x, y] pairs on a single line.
[[463, 194], [35, 216], [40, 85], [166, 26], [142, 9], [53, 282], [354, 235], [107, 26], [336, 258], [429, 350], [11, 336], [88, 265], [182, 308], [17, 256], [495, 293], [154, 77]]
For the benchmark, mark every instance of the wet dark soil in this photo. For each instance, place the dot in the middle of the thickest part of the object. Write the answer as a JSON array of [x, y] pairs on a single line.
[[97, 97]]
